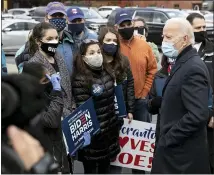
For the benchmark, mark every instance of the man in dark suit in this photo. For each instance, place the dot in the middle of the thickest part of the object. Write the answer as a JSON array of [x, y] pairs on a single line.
[[205, 49], [182, 147]]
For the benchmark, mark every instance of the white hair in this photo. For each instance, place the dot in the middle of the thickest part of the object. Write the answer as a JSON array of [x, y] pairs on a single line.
[[185, 27]]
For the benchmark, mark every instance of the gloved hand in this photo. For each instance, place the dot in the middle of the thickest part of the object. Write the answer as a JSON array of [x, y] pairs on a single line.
[[87, 139], [55, 80], [156, 102]]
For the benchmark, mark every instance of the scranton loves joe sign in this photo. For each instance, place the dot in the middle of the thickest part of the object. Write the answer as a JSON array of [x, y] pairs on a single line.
[[137, 141]]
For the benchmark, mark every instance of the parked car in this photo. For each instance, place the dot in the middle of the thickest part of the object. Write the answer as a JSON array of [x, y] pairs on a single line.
[[15, 33], [93, 19], [6, 16], [21, 11], [105, 11], [39, 13], [208, 5], [155, 19], [209, 17]]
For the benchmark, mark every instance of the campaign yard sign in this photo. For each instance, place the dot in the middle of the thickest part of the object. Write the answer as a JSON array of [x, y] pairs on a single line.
[[119, 102], [83, 119], [137, 142]]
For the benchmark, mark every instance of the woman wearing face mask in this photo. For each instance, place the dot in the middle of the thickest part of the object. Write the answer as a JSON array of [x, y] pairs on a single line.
[[119, 64], [50, 118], [43, 43], [91, 79]]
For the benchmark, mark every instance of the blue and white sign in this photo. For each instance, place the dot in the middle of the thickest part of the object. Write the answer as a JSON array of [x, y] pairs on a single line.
[[83, 119], [119, 103]]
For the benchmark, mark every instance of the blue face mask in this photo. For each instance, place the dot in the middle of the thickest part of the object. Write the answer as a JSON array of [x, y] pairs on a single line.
[[169, 50], [109, 49], [76, 28], [58, 23]]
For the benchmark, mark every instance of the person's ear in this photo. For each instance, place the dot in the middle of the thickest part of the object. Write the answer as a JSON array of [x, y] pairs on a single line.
[[67, 21], [185, 40], [83, 20], [116, 27], [133, 23], [38, 42], [46, 19]]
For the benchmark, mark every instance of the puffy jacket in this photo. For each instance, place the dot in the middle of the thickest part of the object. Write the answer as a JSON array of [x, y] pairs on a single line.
[[104, 145], [22, 56], [127, 82]]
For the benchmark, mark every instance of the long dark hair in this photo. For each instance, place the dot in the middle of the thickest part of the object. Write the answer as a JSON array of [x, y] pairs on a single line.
[[37, 35], [79, 65], [164, 64], [120, 62]]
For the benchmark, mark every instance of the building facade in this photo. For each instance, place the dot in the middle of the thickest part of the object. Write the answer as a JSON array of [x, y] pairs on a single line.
[[8, 4]]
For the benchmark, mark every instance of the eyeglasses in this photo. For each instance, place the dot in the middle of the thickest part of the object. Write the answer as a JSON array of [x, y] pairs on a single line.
[[87, 41]]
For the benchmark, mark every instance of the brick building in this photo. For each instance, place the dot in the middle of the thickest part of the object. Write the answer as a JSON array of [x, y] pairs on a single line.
[[7, 4]]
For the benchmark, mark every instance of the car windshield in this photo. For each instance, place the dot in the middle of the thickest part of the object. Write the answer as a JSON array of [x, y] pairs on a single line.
[[91, 14], [176, 14]]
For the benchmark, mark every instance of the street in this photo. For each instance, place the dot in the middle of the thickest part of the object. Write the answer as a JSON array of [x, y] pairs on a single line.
[[78, 168]]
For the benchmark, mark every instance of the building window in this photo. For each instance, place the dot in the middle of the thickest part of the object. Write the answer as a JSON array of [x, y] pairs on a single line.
[[176, 6]]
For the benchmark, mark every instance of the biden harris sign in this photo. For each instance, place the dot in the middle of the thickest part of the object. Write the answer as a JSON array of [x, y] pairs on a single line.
[[82, 120]]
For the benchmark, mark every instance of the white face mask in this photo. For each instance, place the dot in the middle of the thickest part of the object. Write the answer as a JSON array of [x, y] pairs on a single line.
[[94, 60], [53, 41]]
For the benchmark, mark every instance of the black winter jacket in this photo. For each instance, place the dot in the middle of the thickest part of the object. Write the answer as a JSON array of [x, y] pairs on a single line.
[[206, 52], [104, 145], [127, 81], [24, 56], [50, 120]]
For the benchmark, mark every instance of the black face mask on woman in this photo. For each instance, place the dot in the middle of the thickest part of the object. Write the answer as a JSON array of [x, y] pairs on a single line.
[[126, 33], [109, 49], [49, 48]]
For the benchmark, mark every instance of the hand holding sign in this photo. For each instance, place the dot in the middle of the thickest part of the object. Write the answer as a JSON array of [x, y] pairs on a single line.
[[80, 125], [87, 139], [130, 117]]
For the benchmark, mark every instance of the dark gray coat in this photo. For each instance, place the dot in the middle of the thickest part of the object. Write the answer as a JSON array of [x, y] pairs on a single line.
[[182, 147], [65, 81]]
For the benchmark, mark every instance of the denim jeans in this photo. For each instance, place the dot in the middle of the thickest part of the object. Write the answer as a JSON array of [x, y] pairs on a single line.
[[141, 112]]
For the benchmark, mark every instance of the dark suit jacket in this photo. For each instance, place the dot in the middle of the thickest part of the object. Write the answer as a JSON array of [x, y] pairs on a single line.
[[182, 147]]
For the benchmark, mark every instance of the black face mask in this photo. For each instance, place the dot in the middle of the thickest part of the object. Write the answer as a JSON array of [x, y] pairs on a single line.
[[49, 48], [141, 30], [126, 33], [76, 28], [109, 49], [200, 36]]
